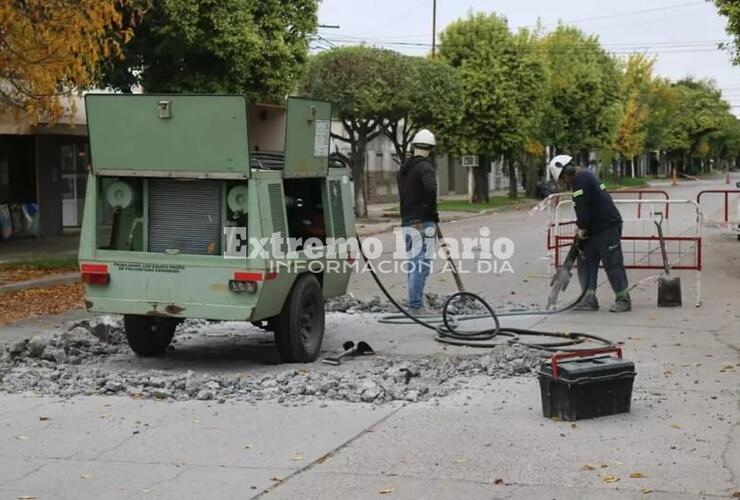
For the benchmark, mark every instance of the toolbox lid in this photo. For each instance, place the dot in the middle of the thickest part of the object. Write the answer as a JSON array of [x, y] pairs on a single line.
[[589, 369]]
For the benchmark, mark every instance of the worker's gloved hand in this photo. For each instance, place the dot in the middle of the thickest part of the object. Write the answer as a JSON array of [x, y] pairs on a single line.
[[582, 234]]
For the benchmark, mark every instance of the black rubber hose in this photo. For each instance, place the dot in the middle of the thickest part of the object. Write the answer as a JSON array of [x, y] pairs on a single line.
[[449, 333]]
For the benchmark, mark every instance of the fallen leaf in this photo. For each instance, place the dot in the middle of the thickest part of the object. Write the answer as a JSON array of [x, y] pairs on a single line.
[[646, 491], [573, 426], [588, 467], [247, 446], [675, 426], [386, 491], [736, 494], [637, 475], [86, 476], [499, 481], [196, 420], [275, 478], [22, 438], [44, 419], [297, 457], [460, 461], [26, 497], [610, 479], [604, 466]]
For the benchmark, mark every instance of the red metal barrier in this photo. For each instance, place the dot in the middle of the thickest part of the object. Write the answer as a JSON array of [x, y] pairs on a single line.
[[640, 193], [726, 193]]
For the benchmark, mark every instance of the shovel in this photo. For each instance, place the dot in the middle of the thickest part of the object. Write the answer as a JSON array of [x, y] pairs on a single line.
[[669, 287], [350, 349]]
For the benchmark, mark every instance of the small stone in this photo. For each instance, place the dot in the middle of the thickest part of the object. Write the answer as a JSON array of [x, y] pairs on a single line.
[[18, 347], [204, 395], [412, 396], [113, 386], [36, 346], [161, 393]]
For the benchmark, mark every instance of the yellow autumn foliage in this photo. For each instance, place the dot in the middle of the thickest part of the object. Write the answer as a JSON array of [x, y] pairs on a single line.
[[50, 50]]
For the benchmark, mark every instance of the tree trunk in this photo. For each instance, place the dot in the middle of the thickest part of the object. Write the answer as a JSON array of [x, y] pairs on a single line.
[[513, 191], [480, 179], [532, 177], [632, 166], [357, 161]]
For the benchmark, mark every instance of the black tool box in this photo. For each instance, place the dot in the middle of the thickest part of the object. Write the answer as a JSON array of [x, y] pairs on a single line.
[[586, 384]]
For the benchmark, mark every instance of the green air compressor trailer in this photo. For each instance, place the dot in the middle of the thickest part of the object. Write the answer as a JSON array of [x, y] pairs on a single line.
[[207, 206]]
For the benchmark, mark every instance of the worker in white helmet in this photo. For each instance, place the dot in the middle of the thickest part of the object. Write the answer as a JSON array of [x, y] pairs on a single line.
[[599, 231], [417, 189]]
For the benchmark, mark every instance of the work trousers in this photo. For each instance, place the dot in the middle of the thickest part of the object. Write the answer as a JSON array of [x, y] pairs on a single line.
[[604, 246], [417, 244]]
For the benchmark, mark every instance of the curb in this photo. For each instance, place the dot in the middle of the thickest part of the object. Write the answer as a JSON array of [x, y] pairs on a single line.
[[61, 279]]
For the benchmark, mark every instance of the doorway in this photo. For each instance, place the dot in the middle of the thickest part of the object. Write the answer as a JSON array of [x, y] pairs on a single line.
[[74, 182]]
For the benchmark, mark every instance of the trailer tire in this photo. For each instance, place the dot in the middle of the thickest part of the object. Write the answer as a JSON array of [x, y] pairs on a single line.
[[149, 335], [299, 328]]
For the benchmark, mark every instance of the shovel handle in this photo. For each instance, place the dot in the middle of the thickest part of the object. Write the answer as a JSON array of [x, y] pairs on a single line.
[[580, 354]]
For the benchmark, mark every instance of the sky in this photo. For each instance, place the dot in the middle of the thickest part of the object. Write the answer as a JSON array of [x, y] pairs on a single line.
[[683, 34]]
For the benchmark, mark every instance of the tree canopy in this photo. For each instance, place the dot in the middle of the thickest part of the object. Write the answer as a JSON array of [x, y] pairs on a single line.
[[50, 50], [251, 47], [585, 86], [503, 84], [731, 10]]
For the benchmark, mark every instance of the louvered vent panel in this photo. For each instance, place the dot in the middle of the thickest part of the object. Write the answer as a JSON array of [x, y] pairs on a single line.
[[337, 209], [276, 208], [185, 216]]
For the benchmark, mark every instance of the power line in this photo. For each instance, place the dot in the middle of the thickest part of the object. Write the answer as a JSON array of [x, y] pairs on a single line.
[[631, 13]]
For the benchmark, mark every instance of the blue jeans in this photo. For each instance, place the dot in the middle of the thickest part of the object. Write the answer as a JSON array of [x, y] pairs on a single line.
[[417, 244]]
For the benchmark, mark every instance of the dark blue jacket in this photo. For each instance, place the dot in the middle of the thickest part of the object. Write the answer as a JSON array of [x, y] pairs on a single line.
[[595, 209]]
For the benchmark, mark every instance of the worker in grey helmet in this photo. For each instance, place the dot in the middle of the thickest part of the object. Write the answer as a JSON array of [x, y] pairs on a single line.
[[417, 189], [599, 232]]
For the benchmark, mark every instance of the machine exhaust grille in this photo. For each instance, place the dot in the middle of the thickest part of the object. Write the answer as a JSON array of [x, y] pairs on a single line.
[[275, 193], [337, 209], [185, 216]]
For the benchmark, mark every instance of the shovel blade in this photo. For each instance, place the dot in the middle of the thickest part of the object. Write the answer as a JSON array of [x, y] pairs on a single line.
[[669, 291]]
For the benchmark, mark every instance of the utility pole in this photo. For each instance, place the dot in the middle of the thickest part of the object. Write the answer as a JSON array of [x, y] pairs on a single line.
[[434, 28]]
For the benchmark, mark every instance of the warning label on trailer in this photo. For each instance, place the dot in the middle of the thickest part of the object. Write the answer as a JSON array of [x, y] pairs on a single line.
[[148, 268], [322, 138]]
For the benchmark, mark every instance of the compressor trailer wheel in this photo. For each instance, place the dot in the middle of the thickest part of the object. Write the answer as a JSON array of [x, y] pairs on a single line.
[[149, 335], [299, 328]]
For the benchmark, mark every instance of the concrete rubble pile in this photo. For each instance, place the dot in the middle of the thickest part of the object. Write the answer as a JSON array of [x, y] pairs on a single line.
[[70, 362]]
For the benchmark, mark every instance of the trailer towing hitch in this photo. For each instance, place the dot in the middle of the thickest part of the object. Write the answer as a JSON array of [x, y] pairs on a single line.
[[350, 349]]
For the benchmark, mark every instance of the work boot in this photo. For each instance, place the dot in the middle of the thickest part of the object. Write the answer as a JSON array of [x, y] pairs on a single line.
[[621, 306], [589, 302], [420, 312]]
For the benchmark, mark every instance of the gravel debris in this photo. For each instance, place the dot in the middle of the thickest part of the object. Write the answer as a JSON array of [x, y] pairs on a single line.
[[69, 362], [352, 305]]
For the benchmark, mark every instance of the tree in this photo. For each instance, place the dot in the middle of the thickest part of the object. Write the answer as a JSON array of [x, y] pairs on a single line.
[[584, 84], [251, 47], [503, 81], [51, 49], [427, 94], [632, 128], [731, 10], [699, 112], [356, 81]]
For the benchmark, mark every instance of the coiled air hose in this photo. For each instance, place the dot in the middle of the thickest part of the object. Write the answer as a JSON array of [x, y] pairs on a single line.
[[447, 328]]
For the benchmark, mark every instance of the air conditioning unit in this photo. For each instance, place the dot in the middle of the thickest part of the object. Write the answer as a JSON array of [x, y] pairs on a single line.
[[470, 161]]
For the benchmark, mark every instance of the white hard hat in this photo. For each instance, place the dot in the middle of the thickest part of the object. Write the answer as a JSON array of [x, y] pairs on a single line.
[[424, 138], [557, 164]]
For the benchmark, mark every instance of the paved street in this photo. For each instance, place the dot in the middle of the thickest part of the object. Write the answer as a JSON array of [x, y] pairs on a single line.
[[486, 440]]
